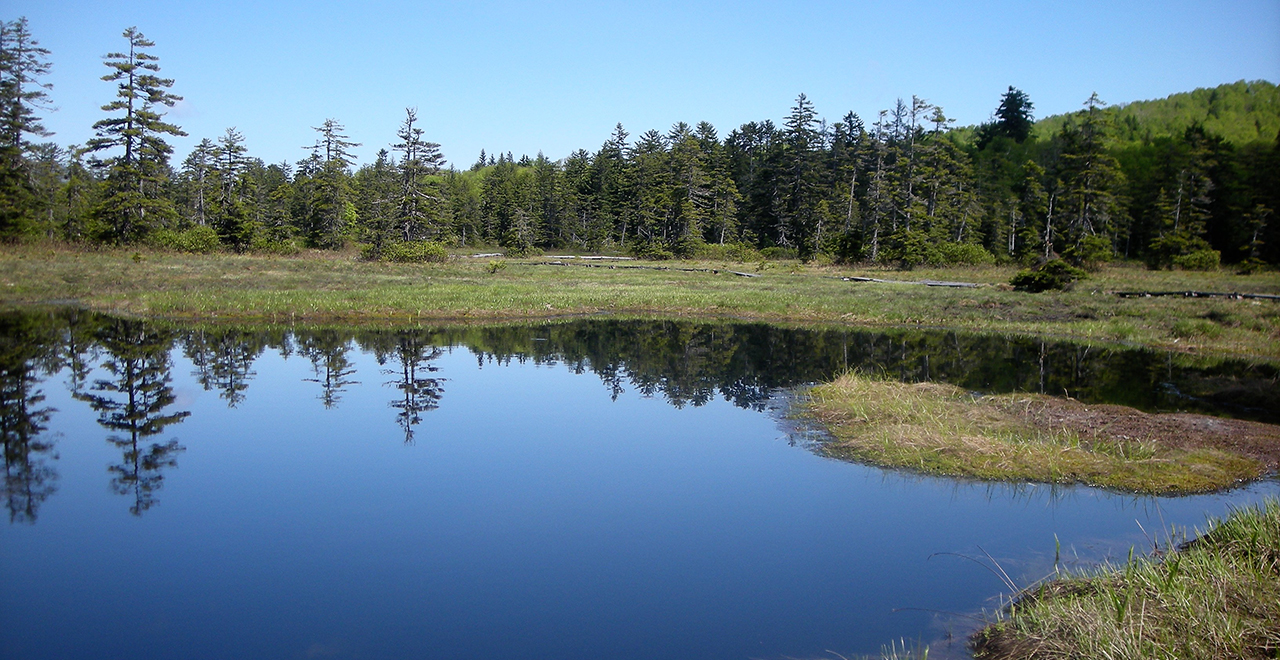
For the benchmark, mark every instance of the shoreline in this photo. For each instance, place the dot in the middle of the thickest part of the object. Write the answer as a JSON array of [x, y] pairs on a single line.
[[338, 288]]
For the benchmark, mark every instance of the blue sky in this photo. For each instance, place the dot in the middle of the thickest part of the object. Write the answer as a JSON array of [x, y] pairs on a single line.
[[557, 76]]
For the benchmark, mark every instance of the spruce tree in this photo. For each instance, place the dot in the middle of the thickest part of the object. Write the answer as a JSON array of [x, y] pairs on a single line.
[[22, 63], [419, 200], [376, 193], [1014, 118], [235, 191], [329, 210], [198, 187], [797, 197], [133, 203], [1093, 183]]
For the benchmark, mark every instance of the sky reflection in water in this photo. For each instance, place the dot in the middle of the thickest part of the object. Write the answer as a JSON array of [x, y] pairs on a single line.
[[608, 489]]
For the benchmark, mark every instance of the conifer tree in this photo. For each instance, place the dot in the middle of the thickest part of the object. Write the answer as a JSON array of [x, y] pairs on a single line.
[[419, 200], [198, 182], [134, 203], [376, 192], [1014, 115], [1093, 183], [651, 194], [22, 63], [797, 225], [1013, 119], [329, 210], [235, 223], [1027, 229]]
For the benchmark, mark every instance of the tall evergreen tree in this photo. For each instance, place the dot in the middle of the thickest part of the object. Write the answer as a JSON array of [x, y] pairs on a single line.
[[1093, 184], [419, 201], [1013, 119], [133, 202], [375, 192], [797, 197], [329, 212], [22, 64], [198, 185], [236, 225]]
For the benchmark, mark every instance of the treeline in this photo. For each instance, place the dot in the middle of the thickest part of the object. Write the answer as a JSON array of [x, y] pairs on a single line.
[[906, 188]]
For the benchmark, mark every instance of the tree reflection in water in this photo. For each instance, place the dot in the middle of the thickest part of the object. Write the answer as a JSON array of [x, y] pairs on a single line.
[[413, 352], [28, 475], [686, 363], [133, 404], [223, 358], [327, 349]]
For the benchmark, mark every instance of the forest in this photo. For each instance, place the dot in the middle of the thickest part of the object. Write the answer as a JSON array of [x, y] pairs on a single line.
[[1189, 182]]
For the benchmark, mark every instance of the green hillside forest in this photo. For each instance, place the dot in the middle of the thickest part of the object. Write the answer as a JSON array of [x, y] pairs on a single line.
[[1190, 181]]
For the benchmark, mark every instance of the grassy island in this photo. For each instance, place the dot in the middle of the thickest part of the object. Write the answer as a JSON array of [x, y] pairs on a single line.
[[941, 429]]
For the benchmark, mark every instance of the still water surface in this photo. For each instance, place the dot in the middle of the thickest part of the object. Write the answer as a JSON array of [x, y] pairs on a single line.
[[592, 489]]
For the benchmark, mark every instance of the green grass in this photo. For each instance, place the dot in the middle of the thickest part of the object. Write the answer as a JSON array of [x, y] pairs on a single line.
[[941, 429], [323, 286], [1217, 598]]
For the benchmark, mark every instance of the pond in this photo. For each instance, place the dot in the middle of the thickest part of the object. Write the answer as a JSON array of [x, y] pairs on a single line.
[[591, 488]]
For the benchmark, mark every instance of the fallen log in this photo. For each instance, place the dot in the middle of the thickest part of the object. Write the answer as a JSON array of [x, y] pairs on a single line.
[[587, 257], [714, 271], [1195, 294], [963, 285]]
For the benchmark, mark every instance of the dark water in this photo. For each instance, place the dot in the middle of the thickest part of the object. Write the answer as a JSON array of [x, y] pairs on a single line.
[[579, 490]]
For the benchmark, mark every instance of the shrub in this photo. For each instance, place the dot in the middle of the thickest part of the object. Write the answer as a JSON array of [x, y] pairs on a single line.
[[495, 266], [688, 246], [908, 249], [1090, 253], [821, 259], [199, 239], [959, 254], [740, 252], [1052, 274], [652, 250], [1199, 260], [846, 247], [518, 251], [415, 252]]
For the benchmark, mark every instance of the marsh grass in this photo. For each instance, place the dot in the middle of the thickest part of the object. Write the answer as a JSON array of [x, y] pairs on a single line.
[[941, 429], [1217, 597], [322, 286]]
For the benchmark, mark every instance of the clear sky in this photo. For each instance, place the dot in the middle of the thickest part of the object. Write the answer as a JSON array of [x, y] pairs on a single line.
[[557, 76]]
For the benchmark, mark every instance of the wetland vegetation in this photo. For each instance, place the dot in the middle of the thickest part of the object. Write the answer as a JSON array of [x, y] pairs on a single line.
[[1216, 596], [118, 260], [335, 286]]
